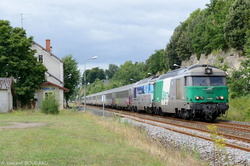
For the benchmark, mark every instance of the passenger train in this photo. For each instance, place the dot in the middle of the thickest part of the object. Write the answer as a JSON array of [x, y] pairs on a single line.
[[194, 92]]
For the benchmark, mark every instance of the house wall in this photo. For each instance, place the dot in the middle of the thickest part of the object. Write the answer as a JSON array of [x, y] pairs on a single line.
[[52, 63], [6, 102]]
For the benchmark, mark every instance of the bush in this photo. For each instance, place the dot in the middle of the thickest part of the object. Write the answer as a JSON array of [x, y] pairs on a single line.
[[50, 105]]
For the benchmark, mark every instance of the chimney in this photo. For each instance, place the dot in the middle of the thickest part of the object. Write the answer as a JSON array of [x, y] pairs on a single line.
[[48, 45]]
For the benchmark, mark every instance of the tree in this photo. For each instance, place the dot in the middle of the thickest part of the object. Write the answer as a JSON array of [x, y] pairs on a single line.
[[93, 74], [183, 45], [111, 71], [170, 52], [156, 62], [247, 44], [128, 73], [199, 34], [95, 87], [216, 16], [17, 60], [71, 76], [239, 82], [236, 23]]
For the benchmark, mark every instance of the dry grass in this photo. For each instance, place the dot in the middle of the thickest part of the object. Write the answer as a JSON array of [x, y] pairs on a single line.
[[137, 138]]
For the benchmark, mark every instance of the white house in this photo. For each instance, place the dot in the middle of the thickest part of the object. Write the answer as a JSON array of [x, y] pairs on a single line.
[[6, 96], [54, 75]]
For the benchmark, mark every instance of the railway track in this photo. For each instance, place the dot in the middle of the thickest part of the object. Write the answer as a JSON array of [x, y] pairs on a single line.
[[225, 129], [160, 123], [235, 126]]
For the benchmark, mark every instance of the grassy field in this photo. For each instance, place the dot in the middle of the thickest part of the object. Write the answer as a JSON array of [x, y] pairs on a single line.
[[72, 138], [4, 124]]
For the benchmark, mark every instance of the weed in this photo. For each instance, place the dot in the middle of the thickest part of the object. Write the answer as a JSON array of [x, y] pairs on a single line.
[[196, 151], [219, 149], [50, 105]]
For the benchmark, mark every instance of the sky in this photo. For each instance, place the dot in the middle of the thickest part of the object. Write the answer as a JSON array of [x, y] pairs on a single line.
[[115, 31]]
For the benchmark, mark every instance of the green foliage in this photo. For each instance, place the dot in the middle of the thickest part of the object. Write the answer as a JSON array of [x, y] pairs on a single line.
[[126, 74], [239, 109], [71, 76], [50, 105], [170, 51], [129, 72], [156, 62], [214, 26], [96, 87], [18, 60], [111, 71], [247, 45], [184, 46], [207, 27], [236, 24], [93, 74], [198, 33], [223, 24], [239, 84]]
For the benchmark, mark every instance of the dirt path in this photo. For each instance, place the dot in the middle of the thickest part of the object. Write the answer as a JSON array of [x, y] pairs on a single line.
[[21, 125]]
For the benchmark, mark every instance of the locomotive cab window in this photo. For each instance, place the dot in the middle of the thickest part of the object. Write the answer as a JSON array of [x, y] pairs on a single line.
[[218, 81], [200, 81], [209, 81]]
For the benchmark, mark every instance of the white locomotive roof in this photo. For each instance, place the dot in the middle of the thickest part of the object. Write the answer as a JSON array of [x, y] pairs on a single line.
[[192, 70], [146, 80]]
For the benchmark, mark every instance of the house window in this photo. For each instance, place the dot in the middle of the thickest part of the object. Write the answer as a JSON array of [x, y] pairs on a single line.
[[47, 94], [40, 58]]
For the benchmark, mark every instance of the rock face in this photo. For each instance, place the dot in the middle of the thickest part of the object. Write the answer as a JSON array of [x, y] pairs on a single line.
[[230, 60]]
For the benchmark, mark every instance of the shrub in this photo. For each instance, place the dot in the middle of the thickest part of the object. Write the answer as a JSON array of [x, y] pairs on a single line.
[[50, 105]]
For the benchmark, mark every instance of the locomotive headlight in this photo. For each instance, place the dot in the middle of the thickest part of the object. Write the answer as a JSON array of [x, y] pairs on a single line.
[[217, 98], [222, 97], [197, 97]]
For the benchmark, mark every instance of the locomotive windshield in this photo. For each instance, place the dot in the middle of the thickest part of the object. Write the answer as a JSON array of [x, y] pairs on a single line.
[[208, 81]]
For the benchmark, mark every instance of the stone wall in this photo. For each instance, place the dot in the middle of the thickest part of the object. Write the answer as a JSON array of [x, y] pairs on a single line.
[[231, 59]]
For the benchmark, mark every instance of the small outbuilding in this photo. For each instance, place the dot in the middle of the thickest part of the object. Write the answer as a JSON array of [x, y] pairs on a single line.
[[6, 94], [50, 88]]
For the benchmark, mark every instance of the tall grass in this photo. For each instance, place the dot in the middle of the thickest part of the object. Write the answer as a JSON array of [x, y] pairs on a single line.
[[137, 138], [239, 109]]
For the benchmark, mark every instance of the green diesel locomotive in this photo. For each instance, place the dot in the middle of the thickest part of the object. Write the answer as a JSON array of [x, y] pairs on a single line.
[[198, 91]]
